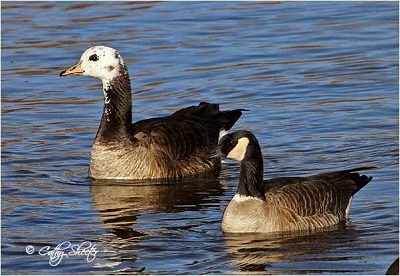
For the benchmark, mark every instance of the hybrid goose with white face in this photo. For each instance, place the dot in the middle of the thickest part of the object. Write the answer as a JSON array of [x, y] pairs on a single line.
[[167, 147], [286, 203]]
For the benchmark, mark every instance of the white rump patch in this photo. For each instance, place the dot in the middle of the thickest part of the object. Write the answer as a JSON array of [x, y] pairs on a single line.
[[242, 198], [239, 150], [222, 133], [348, 207]]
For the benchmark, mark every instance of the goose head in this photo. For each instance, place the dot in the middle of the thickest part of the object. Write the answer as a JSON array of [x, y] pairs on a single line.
[[240, 146], [100, 62]]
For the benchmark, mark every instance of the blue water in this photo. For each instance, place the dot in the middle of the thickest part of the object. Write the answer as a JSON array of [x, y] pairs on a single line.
[[320, 80]]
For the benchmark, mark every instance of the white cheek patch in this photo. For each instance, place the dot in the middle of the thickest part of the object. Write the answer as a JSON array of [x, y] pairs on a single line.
[[239, 151]]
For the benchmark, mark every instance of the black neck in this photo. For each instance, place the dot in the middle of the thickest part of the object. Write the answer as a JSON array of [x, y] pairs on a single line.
[[251, 175], [116, 122]]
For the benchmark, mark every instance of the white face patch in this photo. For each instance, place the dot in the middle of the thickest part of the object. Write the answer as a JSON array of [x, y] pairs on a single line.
[[239, 150], [101, 62]]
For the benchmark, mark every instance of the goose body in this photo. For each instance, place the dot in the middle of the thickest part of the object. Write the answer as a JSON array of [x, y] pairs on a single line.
[[285, 203], [169, 147]]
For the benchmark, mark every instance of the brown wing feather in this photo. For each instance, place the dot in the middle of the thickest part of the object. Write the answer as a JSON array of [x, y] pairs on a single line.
[[308, 198], [179, 139], [317, 194], [189, 132]]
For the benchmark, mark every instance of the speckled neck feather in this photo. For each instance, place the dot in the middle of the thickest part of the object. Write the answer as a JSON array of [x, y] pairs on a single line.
[[116, 122]]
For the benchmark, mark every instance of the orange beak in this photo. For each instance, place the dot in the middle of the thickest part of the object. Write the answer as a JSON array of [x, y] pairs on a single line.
[[75, 70]]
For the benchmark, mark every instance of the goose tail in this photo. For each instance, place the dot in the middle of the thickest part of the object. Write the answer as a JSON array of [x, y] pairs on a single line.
[[360, 180], [225, 119]]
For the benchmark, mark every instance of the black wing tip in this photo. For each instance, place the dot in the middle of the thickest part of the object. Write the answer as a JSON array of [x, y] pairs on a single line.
[[229, 118], [360, 180], [210, 111]]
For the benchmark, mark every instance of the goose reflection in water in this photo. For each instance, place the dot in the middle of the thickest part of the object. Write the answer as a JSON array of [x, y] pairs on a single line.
[[263, 253], [121, 204]]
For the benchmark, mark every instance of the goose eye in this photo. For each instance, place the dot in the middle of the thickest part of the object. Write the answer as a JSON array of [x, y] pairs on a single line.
[[94, 57]]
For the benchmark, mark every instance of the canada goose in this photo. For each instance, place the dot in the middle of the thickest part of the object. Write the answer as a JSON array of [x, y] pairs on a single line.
[[284, 203], [167, 147]]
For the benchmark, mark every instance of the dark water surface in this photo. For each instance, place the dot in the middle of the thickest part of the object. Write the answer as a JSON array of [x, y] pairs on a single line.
[[320, 79]]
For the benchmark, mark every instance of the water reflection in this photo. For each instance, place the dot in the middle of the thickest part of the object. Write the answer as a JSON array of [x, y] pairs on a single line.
[[264, 252], [120, 204]]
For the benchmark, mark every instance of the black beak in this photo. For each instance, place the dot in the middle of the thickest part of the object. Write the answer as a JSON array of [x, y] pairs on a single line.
[[62, 73]]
